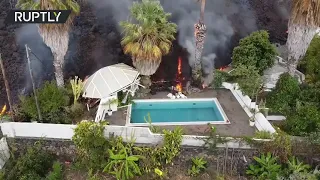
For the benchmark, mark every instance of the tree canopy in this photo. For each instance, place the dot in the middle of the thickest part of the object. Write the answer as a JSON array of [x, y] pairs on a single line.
[[283, 98], [148, 36], [311, 62], [248, 79], [255, 50]]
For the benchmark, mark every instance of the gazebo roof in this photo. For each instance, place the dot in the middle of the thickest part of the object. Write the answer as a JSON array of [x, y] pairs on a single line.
[[109, 80]]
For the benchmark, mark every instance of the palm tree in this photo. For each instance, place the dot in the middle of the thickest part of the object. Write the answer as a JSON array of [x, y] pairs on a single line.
[[55, 36], [303, 24], [200, 34], [147, 37]]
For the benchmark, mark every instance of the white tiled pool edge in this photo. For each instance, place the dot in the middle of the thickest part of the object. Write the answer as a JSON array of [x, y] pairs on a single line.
[[225, 118], [261, 122]]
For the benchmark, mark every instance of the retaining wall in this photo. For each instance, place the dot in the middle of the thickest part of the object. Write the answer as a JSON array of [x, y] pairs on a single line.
[[142, 135], [261, 122]]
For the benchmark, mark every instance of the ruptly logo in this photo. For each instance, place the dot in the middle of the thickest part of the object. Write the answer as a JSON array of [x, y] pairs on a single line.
[[41, 16]]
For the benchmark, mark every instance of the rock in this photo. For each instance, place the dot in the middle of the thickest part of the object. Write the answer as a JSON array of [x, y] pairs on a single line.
[[111, 36], [15, 55], [2, 24], [77, 32], [94, 28], [3, 33]]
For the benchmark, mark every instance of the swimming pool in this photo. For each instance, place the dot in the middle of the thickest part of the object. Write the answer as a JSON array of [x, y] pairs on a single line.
[[176, 112]]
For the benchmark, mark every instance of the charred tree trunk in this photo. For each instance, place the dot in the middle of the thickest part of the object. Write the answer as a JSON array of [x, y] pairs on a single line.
[[200, 34], [299, 39]]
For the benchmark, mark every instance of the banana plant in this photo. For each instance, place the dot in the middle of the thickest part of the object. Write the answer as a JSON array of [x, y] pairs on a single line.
[[123, 165], [296, 166], [266, 167], [198, 164]]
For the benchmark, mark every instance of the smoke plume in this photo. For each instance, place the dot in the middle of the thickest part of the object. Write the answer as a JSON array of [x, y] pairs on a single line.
[[40, 55], [185, 13]]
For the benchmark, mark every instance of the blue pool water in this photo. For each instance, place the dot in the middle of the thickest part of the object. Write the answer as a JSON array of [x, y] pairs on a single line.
[[176, 111]]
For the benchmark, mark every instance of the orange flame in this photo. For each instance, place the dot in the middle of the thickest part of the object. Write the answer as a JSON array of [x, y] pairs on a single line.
[[4, 108], [223, 68], [179, 85]]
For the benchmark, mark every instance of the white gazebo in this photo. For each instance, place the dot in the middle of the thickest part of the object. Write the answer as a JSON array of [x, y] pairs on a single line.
[[106, 83]]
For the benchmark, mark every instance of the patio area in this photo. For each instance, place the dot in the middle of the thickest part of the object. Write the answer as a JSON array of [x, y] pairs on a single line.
[[238, 118]]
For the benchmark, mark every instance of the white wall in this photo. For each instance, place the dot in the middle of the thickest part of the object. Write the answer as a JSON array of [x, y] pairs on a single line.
[[276, 118], [142, 135], [261, 123], [37, 130]]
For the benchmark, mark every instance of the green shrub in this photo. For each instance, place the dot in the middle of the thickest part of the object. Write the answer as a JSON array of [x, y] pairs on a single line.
[[75, 111], [122, 164], [31, 176], [284, 96], [172, 144], [310, 95], [198, 165], [304, 121], [248, 79], [311, 62], [263, 135], [255, 50], [266, 167], [91, 144], [33, 164], [158, 156], [56, 173], [219, 78], [51, 100]]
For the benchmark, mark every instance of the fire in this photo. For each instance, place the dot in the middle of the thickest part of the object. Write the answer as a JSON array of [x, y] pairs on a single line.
[[4, 108], [179, 76], [223, 68]]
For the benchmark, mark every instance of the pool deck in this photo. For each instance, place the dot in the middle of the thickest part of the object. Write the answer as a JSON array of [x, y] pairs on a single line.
[[239, 120]]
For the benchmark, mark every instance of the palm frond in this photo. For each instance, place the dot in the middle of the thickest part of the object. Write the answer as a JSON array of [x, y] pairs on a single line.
[[28, 5], [49, 5], [150, 35]]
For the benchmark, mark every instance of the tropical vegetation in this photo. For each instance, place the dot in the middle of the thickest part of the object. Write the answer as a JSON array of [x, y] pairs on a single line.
[[255, 50], [98, 157]]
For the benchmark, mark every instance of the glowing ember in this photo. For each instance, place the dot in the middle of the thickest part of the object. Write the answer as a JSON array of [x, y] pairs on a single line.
[[179, 76], [223, 68]]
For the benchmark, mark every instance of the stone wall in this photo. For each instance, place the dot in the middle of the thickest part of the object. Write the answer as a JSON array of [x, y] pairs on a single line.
[[61, 148]]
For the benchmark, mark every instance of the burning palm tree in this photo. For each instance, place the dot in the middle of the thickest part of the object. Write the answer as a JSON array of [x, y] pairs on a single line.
[[55, 36], [148, 37], [200, 34], [303, 24]]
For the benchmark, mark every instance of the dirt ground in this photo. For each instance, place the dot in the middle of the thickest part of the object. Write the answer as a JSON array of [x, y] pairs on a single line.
[[227, 163], [239, 120]]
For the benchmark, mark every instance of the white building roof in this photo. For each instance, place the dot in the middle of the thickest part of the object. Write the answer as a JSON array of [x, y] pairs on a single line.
[[109, 80]]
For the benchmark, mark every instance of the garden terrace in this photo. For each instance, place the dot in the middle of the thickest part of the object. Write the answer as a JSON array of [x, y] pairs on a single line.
[[238, 118]]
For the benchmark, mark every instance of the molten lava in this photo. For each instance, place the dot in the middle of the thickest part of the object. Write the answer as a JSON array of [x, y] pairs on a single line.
[[179, 77]]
